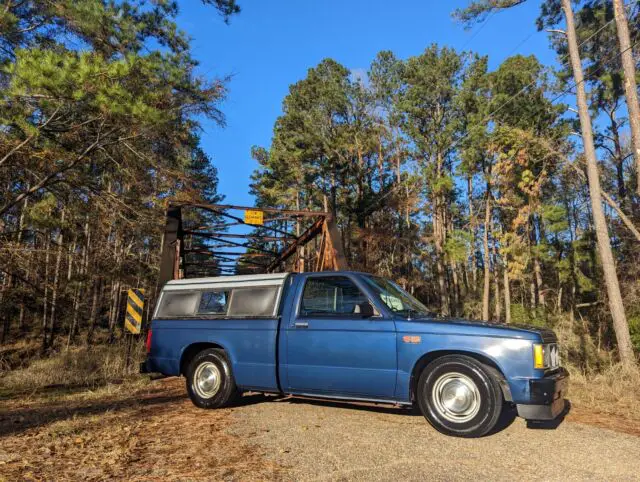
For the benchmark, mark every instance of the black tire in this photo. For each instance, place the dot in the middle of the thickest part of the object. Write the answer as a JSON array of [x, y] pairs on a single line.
[[472, 414], [222, 390]]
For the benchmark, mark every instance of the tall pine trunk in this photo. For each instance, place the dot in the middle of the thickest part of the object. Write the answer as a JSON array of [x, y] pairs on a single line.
[[630, 87], [27, 274], [95, 306], [46, 292], [56, 282], [506, 290], [620, 324], [438, 228], [486, 292], [496, 285], [80, 286], [472, 230]]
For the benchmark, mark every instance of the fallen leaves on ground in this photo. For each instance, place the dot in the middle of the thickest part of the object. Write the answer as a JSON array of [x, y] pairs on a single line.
[[153, 433]]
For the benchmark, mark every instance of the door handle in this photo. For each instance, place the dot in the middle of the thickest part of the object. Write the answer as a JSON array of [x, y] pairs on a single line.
[[301, 324]]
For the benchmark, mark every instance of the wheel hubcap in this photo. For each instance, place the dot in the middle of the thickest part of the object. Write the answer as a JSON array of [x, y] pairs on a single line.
[[456, 397], [207, 380]]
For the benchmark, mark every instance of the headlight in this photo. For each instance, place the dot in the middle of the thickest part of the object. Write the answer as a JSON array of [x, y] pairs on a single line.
[[546, 356]]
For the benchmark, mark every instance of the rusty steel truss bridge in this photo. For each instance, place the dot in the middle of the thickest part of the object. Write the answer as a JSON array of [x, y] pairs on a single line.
[[223, 239]]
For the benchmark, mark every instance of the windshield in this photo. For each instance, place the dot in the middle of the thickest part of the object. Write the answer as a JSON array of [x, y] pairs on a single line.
[[397, 299]]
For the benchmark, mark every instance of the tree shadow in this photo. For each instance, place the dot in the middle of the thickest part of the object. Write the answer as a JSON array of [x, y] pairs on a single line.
[[13, 422], [58, 389]]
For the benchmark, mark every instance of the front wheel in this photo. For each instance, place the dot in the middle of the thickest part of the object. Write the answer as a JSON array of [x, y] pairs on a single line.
[[459, 396], [210, 383]]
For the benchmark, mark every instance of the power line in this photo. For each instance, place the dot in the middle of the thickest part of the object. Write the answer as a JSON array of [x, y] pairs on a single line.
[[523, 89], [522, 42], [589, 76], [482, 25], [561, 62]]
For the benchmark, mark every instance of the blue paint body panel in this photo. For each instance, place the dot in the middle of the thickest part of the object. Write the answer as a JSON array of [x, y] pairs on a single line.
[[350, 357], [249, 343]]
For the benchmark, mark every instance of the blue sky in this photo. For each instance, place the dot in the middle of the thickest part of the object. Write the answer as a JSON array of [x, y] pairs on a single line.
[[272, 44]]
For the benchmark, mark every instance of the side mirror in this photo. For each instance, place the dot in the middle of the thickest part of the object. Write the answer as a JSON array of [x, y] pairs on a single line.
[[365, 309]]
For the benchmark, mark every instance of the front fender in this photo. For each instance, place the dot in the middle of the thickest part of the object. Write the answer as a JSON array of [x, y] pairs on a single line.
[[511, 356]]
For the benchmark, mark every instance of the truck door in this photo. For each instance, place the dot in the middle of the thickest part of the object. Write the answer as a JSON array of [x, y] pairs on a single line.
[[337, 344]]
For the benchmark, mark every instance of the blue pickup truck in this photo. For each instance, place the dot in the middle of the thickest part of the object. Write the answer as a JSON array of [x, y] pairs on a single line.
[[350, 336]]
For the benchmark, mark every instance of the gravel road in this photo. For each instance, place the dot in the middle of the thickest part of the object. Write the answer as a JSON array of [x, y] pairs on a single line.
[[336, 441]]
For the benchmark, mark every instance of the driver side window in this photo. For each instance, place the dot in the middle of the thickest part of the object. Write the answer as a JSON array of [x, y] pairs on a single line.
[[332, 296]]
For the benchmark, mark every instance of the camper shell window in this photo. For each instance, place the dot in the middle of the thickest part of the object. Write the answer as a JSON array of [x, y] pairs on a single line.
[[214, 302], [258, 301], [178, 304], [237, 302]]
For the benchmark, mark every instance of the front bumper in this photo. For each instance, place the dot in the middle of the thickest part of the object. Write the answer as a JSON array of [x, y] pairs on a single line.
[[547, 397]]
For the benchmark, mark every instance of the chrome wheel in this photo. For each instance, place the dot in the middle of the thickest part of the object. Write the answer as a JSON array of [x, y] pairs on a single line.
[[207, 380], [456, 397]]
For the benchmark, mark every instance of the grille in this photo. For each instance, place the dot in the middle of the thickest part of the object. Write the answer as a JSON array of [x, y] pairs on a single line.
[[552, 356]]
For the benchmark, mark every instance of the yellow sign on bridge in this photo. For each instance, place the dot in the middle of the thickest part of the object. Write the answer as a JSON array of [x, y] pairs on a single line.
[[254, 217]]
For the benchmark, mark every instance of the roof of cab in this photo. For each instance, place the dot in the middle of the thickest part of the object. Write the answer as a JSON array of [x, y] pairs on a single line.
[[270, 279]]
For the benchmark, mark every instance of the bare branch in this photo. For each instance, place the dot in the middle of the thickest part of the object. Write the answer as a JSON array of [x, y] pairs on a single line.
[[28, 139]]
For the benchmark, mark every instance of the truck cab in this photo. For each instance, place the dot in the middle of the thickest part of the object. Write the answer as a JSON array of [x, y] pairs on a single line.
[[350, 336]]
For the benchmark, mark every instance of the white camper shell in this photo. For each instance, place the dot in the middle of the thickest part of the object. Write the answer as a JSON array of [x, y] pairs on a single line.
[[244, 296]]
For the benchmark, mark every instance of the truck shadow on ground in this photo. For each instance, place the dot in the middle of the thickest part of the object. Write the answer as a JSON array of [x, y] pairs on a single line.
[[508, 416], [363, 406], [551, 424], [257, 398]]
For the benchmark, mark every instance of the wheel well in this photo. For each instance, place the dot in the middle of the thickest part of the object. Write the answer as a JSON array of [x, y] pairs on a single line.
[[431, 356], [191, 351]]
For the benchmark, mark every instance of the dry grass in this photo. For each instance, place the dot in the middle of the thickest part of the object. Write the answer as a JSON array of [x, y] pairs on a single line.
[[614, 392], [77, 368], [602, 392], [18, 354]]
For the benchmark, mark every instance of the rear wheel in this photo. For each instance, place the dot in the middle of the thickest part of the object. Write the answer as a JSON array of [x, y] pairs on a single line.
[[210, 383], [459, 396]]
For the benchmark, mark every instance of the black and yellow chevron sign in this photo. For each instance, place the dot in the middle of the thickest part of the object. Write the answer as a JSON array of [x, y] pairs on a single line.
[[135, 305]]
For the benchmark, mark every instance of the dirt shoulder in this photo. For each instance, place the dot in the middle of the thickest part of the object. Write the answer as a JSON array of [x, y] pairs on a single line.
[[151, 432]]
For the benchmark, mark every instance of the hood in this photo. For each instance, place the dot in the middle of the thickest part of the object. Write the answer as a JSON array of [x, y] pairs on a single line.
[[486, 327]]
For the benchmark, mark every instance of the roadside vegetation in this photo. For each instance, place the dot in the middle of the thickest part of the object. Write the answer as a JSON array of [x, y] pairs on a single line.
[[79, 368], [613, 392]]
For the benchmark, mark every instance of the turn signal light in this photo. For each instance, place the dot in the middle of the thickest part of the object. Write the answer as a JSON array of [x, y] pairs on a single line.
[[538, 356]]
